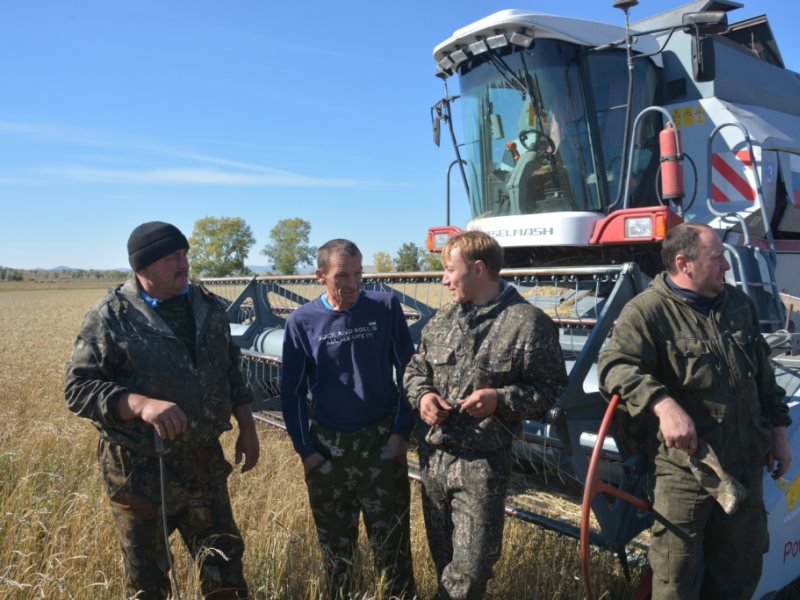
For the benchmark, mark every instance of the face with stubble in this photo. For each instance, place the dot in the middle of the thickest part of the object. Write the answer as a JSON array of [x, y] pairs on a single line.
[[342, 280], [707, 272], [166, 277]]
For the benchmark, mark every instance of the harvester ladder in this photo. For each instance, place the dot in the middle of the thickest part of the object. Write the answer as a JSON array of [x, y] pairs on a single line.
[[747, 258]]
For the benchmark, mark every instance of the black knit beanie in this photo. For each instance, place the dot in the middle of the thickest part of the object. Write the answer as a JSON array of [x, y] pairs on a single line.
[[154, 240]]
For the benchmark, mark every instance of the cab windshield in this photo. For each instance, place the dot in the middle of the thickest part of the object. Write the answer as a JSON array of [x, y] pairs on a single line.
[[543, 128]]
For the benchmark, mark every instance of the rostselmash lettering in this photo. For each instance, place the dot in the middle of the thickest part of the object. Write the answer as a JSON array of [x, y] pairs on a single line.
[[791, 550], [521, 232]]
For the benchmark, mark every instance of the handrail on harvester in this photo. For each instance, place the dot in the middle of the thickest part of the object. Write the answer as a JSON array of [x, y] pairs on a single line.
[[592, 487]]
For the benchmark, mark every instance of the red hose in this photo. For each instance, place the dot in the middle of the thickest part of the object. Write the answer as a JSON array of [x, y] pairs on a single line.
[[594, 485]]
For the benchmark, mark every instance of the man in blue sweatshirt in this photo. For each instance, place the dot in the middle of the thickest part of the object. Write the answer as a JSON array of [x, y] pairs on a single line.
[[349, 348]]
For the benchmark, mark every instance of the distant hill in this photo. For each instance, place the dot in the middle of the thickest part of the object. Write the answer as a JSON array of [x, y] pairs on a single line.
[[66, 269], [259, 268]]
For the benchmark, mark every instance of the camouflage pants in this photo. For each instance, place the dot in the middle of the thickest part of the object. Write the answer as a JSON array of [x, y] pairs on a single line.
[[701, 552], [463, 503], [361, 476], [198, 506]]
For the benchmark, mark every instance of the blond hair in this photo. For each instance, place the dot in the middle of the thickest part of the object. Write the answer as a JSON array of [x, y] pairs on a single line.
[[476, 245]]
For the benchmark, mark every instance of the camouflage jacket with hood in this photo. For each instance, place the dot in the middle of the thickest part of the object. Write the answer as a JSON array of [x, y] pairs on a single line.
[[125, 346], [716, 367], [507, 344]]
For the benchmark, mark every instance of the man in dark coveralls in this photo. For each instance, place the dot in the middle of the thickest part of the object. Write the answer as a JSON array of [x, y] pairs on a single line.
[[693, 372], [156, 354], [486, 361]]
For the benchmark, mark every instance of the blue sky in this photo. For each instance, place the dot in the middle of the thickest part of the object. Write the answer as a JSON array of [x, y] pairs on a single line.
[[116, 113]]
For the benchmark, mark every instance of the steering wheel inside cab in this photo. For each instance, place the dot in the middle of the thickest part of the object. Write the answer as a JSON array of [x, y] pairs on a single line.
[[536, 140]]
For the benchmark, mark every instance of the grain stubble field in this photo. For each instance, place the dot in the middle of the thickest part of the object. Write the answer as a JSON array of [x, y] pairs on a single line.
[[56, 534]]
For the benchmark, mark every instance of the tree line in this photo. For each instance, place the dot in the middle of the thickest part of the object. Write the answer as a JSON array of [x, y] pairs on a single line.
[[9, 274], [220, 245], [61, 274]]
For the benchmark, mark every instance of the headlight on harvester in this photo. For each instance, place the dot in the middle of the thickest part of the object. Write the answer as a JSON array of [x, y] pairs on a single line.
[[439, 240], [438, 236], [639, 227]]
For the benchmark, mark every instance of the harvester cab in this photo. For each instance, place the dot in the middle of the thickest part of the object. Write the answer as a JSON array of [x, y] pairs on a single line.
[[568, 147]]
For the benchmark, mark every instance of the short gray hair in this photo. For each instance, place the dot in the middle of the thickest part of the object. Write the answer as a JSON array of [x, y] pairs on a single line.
[[337, 246]]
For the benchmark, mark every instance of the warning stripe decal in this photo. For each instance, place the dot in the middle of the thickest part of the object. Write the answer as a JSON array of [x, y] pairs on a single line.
[[729, 184], [717, 194]]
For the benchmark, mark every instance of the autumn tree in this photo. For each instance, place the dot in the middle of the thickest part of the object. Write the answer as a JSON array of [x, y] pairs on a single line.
[[407, 258], [289, 248], [432, 261], [219, 246], [383, 262]]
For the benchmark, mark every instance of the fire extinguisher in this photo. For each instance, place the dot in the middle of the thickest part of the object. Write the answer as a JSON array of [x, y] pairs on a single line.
[[512, 147], [671, 164]]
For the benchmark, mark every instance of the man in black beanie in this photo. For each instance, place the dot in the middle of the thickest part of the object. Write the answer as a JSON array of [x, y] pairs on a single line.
[[156, 355]]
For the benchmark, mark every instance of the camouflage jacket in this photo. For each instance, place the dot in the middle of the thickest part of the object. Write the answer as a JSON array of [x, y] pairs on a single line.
[[717, 368], [509, 345], [124, 346]]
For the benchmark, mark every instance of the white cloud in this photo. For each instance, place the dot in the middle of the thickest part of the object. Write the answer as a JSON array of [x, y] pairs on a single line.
[[263, 177], [52, 133], [16, 181], [230, 173]]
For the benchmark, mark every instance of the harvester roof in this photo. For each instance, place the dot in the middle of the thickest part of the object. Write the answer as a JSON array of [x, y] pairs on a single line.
[[519, 27]]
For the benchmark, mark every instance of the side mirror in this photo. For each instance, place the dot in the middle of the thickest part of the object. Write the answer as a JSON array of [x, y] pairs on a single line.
[[497, 126], [436, 122], [703, 63], [703, 24]]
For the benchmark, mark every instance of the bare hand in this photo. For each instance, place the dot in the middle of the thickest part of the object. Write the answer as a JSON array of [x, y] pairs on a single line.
[[780, 457], [480, 403], [398, 445], [247, 445], [676, 426], [166, 417], [433, 409], [312, 461]]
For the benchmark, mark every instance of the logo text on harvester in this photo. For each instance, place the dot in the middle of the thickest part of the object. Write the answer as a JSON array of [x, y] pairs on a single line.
[[522, 232], [791, 550]]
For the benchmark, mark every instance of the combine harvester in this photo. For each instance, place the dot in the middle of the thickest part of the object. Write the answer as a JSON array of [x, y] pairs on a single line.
[[581, 145]]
